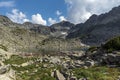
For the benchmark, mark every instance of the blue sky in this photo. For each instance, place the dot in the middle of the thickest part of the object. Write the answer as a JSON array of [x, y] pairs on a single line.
[[47, 12], [46, 8]]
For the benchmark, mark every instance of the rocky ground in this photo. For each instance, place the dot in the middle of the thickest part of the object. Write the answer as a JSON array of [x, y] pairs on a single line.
[[75, 65], [6, 72]]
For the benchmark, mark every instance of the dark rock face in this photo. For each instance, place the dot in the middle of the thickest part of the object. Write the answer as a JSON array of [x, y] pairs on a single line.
[[41, 29], [98, 29], [36, 28], [56, 30], [62, 26], [61, 29], [101, 33]]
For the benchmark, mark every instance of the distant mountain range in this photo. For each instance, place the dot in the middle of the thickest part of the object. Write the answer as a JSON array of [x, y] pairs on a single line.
[[36, 38], [55, 30], [95, 31]]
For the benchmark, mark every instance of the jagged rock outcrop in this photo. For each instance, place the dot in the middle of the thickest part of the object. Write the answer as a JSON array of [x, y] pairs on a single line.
[[61, 29], [61, 26]]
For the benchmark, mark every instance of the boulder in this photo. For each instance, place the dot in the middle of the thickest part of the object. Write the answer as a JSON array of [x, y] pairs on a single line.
[[45, 66], [4, 69], [89, 63], [59, 76], [55, 60], [73, 78], [10, 75]]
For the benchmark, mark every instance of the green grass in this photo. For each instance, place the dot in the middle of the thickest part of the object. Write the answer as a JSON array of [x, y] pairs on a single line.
[[41, 74], [21, 74], [15, 59], [97, 73]]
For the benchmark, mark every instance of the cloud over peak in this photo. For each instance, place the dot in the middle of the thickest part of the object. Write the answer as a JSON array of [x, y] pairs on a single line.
[[37, 18], [62, 18], [81, 10], [51, 21], [20, 17], [17, 16]]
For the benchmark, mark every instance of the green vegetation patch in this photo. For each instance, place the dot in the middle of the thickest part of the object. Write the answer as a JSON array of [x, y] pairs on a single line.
[[93, 48], [15, 59], [113, 44], [34, 71], [97, 73]]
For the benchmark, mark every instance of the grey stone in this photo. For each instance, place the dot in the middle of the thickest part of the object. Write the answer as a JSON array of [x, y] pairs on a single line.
[[89, 63]]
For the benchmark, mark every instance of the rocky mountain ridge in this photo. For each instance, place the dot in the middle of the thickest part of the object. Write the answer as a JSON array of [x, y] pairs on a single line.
[[58, 29], [98, 28]]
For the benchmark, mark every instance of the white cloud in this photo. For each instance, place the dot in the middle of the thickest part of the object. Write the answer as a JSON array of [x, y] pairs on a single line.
[[17, 16], [37, 18], [62, 18], [7, 4], [81, 10], [51, 21], [58, 13], [26, 20]]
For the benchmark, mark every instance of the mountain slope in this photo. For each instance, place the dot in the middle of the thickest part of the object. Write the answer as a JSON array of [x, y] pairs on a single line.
[[98, 28], [29, 37]]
